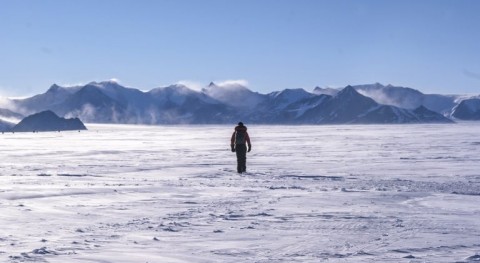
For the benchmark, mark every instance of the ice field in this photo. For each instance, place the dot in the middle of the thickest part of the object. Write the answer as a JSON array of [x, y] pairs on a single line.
[[363, 193]]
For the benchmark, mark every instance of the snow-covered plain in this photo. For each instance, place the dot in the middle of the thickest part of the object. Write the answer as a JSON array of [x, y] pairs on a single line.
[[373, 193]]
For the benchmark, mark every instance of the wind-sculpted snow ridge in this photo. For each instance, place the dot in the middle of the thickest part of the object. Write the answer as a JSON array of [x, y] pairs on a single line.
[[110, 102], [349, 193]]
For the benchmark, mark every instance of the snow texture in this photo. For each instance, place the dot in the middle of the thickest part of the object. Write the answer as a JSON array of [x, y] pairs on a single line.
[[362, 193]]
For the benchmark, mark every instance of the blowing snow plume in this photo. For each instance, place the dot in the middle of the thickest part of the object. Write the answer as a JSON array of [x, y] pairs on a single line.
[[8, 111], [234, 93]]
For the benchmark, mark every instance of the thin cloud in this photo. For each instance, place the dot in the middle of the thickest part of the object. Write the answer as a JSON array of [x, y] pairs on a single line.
[[232, 83], [114, 80], [5, 102], [80, 83], [194, 85], [66, 84], [197, 86]]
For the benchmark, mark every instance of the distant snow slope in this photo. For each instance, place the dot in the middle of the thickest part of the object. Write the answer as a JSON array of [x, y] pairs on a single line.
[[361, 193]]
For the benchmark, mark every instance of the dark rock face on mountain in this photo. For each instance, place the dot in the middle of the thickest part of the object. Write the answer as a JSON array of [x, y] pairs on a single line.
[[280, 107], [178, 104], [48, 121], [91, 105], [386, 114], [325, 91], [425, 115], [407, 98], [346, 106], [401, 97], [109, 102], [392, 114], [468, 109], [349, 106]]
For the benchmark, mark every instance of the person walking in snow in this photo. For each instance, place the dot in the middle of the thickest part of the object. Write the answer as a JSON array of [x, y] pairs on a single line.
[[239, 142]]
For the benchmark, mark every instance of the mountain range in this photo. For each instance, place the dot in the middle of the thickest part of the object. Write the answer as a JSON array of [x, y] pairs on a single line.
[[110, 102]]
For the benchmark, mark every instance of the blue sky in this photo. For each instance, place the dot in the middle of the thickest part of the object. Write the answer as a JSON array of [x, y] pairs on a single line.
[[430, 45]]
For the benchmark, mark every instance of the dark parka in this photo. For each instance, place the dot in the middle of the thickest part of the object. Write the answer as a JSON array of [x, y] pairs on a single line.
[[239, 142]]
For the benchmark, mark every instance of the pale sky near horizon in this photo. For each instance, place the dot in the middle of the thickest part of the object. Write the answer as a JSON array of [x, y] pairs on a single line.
[[429, 45]]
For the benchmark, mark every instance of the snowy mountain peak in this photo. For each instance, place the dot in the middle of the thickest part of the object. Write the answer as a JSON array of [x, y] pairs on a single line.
[[226, 86], [54, 88], [106, 84], [234, 94], [291, 95], [57, 89], [182, 88], [348, 91], [175, 88], [327, 91], [109, 82], [290, 92], [215, 89]]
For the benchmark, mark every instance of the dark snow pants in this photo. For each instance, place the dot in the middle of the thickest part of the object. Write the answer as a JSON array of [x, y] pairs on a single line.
[[241, 150]]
